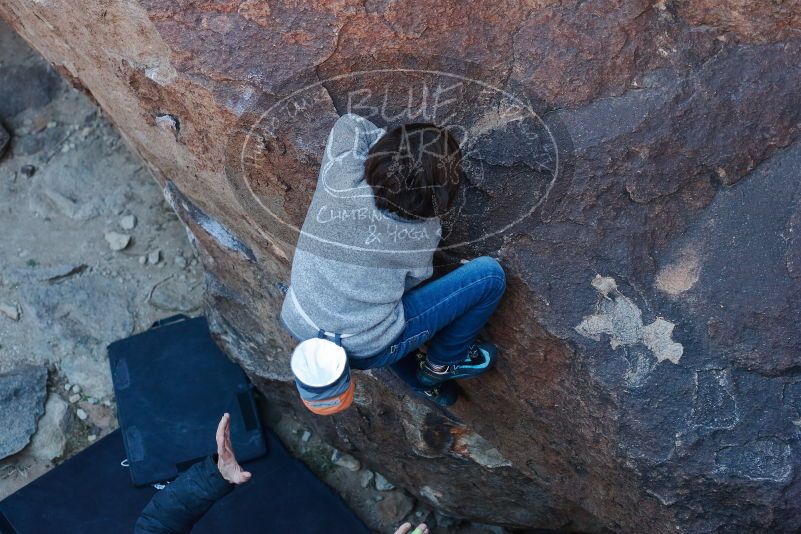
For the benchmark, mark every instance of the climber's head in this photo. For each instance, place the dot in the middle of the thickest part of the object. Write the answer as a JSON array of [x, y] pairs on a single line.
[[415, 170]]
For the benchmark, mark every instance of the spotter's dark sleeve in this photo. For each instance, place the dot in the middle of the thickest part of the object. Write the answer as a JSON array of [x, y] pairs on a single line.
[[176, 508]]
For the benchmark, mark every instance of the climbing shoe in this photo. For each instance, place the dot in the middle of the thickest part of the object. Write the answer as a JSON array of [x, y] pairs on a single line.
[[480, 358], [444, 393]]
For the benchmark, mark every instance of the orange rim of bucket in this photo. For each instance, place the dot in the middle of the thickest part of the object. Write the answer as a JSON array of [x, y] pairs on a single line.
[[333, 405]]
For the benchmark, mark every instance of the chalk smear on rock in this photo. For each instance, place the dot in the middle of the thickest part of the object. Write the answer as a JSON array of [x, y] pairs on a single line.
[[619, 317]]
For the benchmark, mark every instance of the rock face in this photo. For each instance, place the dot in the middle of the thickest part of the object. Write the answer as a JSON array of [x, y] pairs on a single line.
[[633, 165]]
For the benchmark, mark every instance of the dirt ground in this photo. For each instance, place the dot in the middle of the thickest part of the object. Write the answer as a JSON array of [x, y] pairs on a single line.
[[89, 253], [66, 182]]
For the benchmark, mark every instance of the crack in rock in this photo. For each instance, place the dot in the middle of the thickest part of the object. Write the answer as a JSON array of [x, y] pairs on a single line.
[[192, 215]]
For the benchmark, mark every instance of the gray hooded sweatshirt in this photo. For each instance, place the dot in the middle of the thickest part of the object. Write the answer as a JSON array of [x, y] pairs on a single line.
[[353, 262]]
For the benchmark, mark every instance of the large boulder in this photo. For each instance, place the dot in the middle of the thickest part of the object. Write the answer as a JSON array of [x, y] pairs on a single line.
[[633, 165]]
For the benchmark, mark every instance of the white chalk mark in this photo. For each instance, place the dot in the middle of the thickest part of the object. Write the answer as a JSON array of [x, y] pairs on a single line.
[[618, 317]]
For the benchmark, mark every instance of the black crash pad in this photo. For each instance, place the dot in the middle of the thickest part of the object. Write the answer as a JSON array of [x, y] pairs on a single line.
[[172, 385], [91, 493]]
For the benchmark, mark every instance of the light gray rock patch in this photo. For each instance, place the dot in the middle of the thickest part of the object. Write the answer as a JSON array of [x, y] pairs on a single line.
[[621, 319]]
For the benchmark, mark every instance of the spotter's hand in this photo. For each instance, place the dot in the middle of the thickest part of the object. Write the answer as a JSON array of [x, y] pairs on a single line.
[[226, 462]]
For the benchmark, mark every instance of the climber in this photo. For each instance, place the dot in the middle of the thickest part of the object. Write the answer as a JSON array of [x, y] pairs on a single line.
[[176, 508], [367, 246]]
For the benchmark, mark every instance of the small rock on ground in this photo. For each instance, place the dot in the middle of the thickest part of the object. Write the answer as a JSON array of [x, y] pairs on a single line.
[[81, 413], [154, 257], [366, 478], [382, 484], [346, 460], [128, 222], [50, 439], [10, 310], [27, 170], [118, 241]]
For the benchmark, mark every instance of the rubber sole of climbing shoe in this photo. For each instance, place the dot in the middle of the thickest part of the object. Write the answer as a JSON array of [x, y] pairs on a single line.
[[481, 358]]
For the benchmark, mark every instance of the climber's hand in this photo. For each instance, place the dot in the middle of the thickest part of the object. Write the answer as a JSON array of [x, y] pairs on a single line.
[[226, 462], [404, 529]]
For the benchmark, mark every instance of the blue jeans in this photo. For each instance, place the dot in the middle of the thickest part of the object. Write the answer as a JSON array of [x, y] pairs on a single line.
[[449, 311]]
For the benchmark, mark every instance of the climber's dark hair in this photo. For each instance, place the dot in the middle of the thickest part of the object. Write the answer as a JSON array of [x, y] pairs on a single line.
[[414, 170]]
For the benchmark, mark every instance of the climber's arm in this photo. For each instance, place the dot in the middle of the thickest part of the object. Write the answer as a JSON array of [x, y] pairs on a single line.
[[345, 152], [353, 135], [176, 508]]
